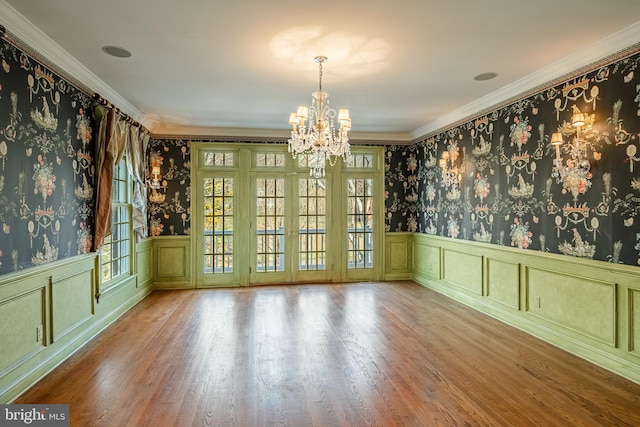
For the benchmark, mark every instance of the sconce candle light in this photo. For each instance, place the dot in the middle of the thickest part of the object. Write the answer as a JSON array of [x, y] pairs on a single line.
[[575, 173], [155, 176], [451, 172]]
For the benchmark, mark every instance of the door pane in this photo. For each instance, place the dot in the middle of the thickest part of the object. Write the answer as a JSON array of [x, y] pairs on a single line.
[[270, 229], [311, 224], [218, 225], [359, 223]]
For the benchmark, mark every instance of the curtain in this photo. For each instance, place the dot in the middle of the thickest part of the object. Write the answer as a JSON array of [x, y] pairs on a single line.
[[136, 163], [110, 144]]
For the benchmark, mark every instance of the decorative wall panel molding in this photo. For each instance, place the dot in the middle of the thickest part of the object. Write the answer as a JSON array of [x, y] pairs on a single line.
[[573, 301], [503, 282]]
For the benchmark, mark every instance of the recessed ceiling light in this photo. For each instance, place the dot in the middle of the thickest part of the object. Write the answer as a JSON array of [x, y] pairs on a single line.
[[116, 51], [485, 76]]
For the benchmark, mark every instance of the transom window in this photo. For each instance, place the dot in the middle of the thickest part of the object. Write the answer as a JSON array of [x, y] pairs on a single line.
[[361, 161], [270, 160], [218, 158]]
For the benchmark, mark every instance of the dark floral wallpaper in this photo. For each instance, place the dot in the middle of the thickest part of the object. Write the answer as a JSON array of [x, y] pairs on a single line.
[[169, 206], [498, 179], [495, 179], [46, 164]]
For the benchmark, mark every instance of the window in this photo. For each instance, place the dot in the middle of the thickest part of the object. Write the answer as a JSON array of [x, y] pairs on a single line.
[[115, 258]]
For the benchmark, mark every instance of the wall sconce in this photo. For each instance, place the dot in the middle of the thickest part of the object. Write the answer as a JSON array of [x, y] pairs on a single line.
[[155, 176], [575, 173], [451, 173], [557, 141]]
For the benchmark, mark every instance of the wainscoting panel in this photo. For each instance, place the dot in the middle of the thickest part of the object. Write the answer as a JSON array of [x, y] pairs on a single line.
[[22, 327], [398, 256], [72, 302], [463, 270], [634, 321], [172, 266], [144, 262], [426, 260], [589, 308], [503, 282], [573, 301]]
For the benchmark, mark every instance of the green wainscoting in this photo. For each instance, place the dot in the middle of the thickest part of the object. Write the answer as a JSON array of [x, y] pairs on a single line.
[[398, 252], [463, 270], [172, 262], [51, 311], [589, 308], [634, 319]]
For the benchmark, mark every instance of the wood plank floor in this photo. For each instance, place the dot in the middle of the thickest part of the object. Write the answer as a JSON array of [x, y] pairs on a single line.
[[386, 354]]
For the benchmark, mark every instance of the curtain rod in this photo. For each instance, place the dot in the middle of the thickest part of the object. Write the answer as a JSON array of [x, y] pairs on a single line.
[[127, 118]]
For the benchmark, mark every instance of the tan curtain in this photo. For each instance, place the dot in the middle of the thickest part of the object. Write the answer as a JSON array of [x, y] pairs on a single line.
[[136, 161], [110, 143]]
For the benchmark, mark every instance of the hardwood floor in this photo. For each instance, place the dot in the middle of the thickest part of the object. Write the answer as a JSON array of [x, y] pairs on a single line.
[[386, 354]]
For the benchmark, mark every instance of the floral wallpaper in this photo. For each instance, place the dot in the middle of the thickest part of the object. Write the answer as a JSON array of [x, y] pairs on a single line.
[[46, 164], [498, 178], [169, 205]]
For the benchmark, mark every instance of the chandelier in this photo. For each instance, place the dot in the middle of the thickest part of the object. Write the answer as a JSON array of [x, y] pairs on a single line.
[[314, 134]]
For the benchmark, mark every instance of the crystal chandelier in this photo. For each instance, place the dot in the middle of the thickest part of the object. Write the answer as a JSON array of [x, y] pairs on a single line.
[[317, 139]]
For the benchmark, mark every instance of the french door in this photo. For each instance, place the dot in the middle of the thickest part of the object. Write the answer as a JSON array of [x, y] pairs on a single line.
[[290, 242], [260, 218]]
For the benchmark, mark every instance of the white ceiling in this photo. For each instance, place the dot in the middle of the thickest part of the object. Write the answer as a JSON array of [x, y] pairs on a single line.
[[404, 68]]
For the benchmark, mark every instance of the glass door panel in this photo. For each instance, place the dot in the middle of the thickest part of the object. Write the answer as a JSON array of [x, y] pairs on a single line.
[[312, 241], [360, 227], [218, 225], [216, 264], [270, 262]]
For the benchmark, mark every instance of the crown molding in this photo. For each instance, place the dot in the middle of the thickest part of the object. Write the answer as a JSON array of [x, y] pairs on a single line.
[[169, 130], [164, 129], [608, 49], [31, 39]]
